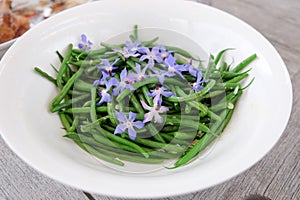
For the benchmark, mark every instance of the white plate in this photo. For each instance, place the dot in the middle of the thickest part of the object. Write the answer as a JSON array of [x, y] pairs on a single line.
[[35, 134]]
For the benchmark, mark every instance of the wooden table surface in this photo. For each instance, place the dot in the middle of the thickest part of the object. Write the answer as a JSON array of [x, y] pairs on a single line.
[[276, 176]]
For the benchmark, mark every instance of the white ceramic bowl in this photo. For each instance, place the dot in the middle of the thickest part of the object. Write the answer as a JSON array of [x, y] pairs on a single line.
[[5, 46], [34, 134]]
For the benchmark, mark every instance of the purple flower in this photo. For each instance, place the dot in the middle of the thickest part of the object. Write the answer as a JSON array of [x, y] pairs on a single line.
[[85, 44], [108, 67], [163, 52], [128, 124], [127, 53], [133, 47], [123, 84], [160, 91], [193, 70], [198, 85], [151, 56], [103, 93], [139, 75], [154, 111], [160, 75], [173, 67], [103, 79]]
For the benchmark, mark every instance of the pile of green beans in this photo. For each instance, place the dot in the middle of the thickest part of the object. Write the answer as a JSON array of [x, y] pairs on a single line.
[[194, 119]]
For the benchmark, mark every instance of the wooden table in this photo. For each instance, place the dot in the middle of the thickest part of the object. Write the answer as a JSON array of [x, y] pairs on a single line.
[[277, 175]]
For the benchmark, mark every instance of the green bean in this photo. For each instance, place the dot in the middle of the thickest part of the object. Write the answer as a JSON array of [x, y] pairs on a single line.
[[227, 86], [135, 32], [130, 157], [103, 156], [230, 75], [194, 104], [64, 121], [74, 136], [210, 67], [82, 85], [45, 75], [93, 113], [237, 78], [147, 98], [167, 129], [183, 135], [90, 53], [121, 140], [179, 51], [68, 103], [220, 54], [244, 63], [223, 67], [66, 88], [63, 67], [74, 124], [193, 96], [150, 42], [61, 58], [172, 140], [85, 63], [190, 124], [54, 68], [112, 47], [154, 144], [85, 110], [111, 112]]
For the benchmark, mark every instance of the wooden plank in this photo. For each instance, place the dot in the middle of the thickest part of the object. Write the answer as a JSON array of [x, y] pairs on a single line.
[[277, 21], [18, 181]]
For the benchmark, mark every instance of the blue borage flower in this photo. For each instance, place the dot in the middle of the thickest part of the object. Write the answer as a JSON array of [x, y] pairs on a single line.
[[164, 53], [127, 53], [85, 44], [160, 91], [107, 66], [154, 111], [122, 84], [174, 68], [128, 124], [151, 55], [134, 47], [140, 74]]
